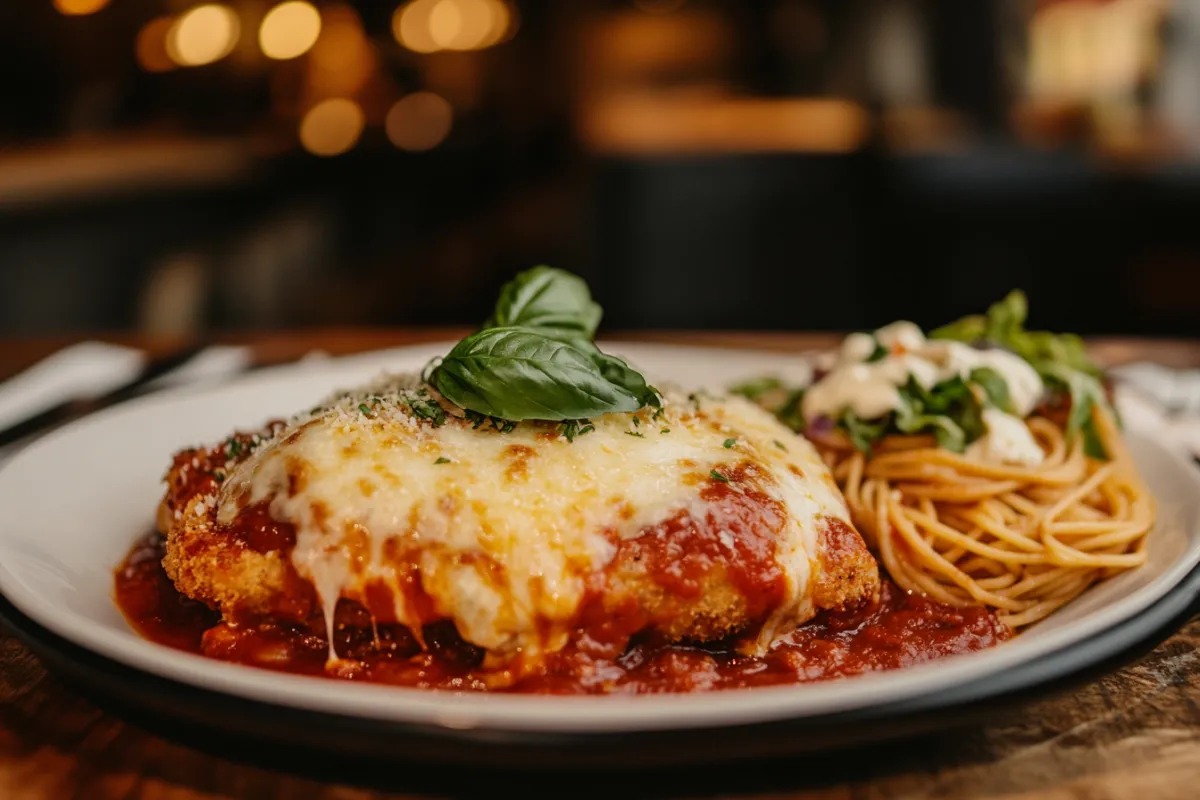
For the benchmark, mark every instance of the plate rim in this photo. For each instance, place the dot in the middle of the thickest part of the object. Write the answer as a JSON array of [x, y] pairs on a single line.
[[532, 713]]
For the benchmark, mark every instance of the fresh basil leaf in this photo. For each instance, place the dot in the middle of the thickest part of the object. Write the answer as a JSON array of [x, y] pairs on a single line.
[[863, 433], [942, 398], [1085, 392], [1006, 318], [619, 373], [949, 435], [544, 297], [1093, 446], [995, 387], [1064, 348], [909, 419], [613, 368], [949, 396], [915, 397], [1081, 410], [949, 410], [970, 330], [517, 374], [969, 418], [1004, 326]]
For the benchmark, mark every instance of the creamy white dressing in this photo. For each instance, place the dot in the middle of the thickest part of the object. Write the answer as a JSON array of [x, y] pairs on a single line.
[[1007, 441], [871, 388]]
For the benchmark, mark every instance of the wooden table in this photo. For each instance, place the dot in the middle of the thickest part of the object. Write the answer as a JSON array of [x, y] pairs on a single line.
[[1132, 733]]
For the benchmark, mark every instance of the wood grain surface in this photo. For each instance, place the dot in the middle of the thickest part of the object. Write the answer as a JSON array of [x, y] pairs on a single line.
[[1133, 732]]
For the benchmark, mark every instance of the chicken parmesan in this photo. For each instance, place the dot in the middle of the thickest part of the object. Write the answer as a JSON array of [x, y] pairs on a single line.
[[702, 520]]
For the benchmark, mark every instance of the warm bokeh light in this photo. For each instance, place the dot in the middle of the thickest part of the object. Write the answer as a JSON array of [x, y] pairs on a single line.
[[343, 58], [655, 123], [420, 121], [151, 46], [504, 23], [1081, 52], [289, 30], [332, 127], [76, 8], [205, 34], [446, 22], [425, 26], [410, 26]]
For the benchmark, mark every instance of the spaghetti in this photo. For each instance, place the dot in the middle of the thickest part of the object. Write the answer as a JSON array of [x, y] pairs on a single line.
[[1024, 540], [982, 463]]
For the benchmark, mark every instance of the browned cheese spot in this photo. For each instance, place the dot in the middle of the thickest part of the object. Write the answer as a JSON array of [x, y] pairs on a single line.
[[518, 467]]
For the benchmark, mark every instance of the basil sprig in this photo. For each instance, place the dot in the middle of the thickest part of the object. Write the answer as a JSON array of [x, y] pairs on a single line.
[[535, 358], [550, 300]]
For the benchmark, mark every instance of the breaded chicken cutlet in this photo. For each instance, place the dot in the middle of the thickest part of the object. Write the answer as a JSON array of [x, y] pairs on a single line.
[[705, 520]]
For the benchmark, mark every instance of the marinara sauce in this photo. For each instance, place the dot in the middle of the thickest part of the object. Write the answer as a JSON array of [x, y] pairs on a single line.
[[897, 631]]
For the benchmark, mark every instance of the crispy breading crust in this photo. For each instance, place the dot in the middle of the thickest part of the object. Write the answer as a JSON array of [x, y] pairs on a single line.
[[210, 565], [847, 573], [207, 565]]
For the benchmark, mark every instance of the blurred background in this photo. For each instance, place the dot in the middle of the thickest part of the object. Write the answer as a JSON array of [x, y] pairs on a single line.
[[175, 167]]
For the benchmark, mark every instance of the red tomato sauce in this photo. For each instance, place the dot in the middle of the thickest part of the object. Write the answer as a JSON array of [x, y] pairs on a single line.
[[899, 630]]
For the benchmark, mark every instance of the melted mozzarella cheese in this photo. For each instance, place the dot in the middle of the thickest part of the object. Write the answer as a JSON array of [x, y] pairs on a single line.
[[507, 528]]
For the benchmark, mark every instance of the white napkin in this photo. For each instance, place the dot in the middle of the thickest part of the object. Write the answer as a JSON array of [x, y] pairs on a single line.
[[90, 369], [1155, 396], [212, 363], [81, 371]]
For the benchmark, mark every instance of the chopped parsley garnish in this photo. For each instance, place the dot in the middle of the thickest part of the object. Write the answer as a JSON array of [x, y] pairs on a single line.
[[665, 430], [575, 427], [658, 413], [730, 442], [233, 448], [364, 408], [635, 433], [475, 418], [781, 445], [716, 476], [218, 476], [428, 409], [442, 460], [637, 421]]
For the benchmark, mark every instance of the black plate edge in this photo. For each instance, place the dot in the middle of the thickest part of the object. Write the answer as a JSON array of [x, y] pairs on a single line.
[[310, 742]]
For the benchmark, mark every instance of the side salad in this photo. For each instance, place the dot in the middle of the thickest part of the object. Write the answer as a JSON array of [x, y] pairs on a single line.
[[970, 384]]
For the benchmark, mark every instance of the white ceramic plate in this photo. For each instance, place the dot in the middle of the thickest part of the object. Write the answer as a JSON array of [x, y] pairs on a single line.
[[73, 502]]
